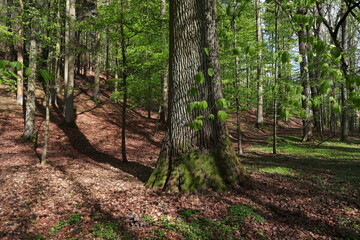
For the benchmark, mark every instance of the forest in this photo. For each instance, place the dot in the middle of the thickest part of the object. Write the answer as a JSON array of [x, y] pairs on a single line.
[[179, 119]]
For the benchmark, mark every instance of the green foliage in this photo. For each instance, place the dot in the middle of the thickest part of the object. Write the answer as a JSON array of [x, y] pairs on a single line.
[[199, 78], [241, 213], [106, 231], [74, 219]]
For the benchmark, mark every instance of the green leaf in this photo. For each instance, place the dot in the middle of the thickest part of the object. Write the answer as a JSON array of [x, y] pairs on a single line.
[[335, 52], [191, 106], [303, 113], [211, 72], [4, 63], [207, 51], [200, 78], [325, 85], [211, 117], [16, 65], [222, 103], [285, 57], [196, 124], [222, 116], [27, 71], [45, 75], [193, 91], [237, 51], [202, 105], [336, 107]]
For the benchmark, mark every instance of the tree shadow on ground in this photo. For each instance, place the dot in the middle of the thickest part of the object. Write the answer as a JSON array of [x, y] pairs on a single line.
[[82, 145]]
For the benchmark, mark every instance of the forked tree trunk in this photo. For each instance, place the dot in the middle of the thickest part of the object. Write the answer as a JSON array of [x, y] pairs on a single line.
[[193, 160]]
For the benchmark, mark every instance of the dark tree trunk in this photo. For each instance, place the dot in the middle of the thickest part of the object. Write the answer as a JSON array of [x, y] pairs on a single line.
[[195, 160]]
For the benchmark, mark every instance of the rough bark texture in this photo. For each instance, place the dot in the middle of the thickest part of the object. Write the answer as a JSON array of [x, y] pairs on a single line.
[[195, 160], [304, 75]]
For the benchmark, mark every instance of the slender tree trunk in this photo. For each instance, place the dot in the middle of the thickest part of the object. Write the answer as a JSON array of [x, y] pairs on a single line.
[[344, 89], [164, 75], [20, 54], [97, 68], [124, 85], [47, 123], [29, 130], [260, 103], [275, 80], [193, 160], [70, 63]]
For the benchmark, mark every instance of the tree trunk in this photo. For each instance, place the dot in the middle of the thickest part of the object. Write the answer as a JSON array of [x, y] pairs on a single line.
[[304, 75], [344, 89], [124, 85], [20, 54], [47, 123], [97, 68], [260, 103], [29, 130], [193, 160], [164, 75], [70, 63]]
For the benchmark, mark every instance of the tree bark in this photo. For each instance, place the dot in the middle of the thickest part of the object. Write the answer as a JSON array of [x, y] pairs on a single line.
[[259, 70], [69, 63], [20, 53], [193, 160], [304, 76], [29, 130]]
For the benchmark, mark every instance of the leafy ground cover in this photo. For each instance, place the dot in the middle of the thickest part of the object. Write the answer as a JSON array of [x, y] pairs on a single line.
[[85, 192]]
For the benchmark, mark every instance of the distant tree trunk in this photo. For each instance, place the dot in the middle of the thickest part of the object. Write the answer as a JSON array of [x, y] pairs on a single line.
[[29, 130], [97, 68], [304, 75], [124, 86], [193, 160], [164, 75], [260, 103], [344, 89], [69, 62], [275, 80], [47, 123], [20, 54]]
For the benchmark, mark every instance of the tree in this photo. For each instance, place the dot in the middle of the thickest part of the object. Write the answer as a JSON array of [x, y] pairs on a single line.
[[69, 62], [29, 129], [196, 154]]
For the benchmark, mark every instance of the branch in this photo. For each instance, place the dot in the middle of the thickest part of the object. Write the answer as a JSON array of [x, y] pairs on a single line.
[[342, 20]]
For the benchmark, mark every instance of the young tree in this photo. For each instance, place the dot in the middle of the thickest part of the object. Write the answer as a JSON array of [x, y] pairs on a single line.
[[196, 155]]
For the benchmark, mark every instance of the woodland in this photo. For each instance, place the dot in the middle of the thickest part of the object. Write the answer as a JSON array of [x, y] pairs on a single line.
[[179, 119]]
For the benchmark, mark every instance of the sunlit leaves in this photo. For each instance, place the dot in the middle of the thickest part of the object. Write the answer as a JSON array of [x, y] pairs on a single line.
[[199, 78]]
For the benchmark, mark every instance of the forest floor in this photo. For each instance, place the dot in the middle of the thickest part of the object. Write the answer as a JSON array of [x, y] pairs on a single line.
[[86, 192]]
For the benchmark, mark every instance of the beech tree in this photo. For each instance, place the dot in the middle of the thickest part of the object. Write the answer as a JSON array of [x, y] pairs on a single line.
[[196, 153]]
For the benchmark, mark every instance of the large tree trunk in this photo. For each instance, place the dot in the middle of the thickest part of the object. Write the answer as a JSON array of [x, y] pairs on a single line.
[[193, 160], [304, 76], [260, 103], [70, 63]]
